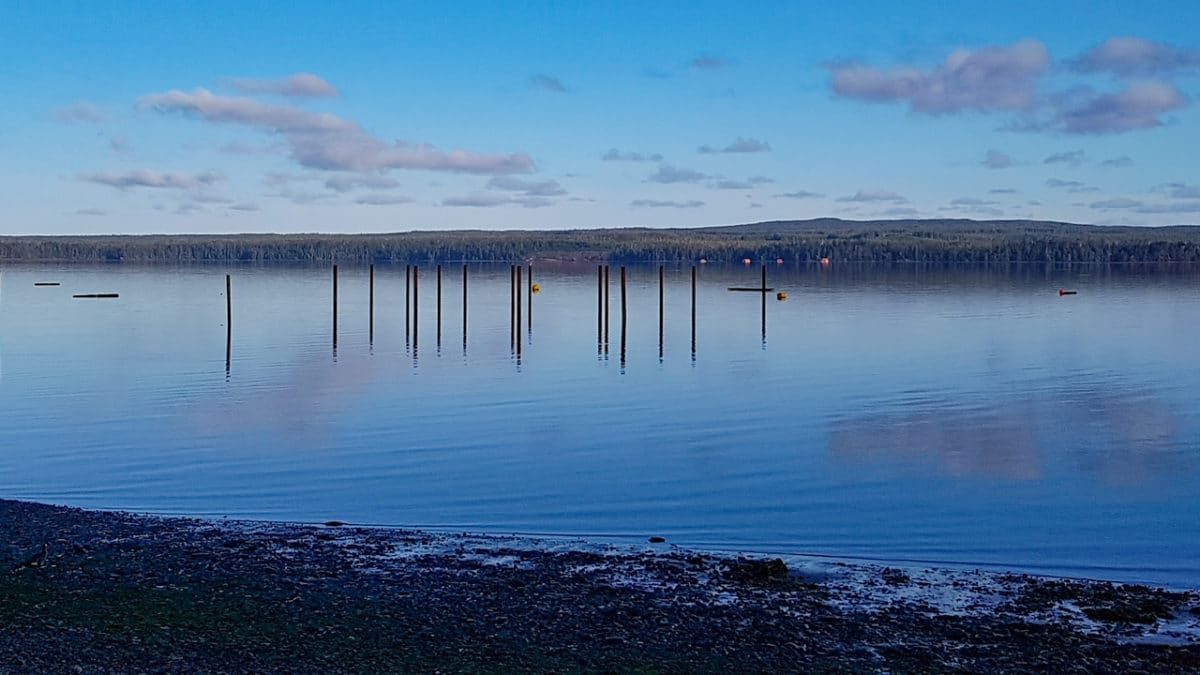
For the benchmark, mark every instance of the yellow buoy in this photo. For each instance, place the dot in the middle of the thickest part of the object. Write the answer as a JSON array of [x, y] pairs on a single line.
[[537, 288], [781, 296]]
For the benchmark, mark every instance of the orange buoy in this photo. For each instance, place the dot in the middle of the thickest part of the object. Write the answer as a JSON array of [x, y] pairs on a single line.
[[536, 288], [781, 296], [745, 261]]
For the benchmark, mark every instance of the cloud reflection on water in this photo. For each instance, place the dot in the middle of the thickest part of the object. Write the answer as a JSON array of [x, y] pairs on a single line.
[[1129, 438]]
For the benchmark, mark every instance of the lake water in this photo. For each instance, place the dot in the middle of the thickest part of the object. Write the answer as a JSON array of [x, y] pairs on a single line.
[[962, 416]]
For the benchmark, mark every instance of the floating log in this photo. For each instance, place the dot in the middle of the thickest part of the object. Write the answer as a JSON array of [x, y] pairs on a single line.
[[47, 283], [96, 295], [755, 289], [1062, 292]]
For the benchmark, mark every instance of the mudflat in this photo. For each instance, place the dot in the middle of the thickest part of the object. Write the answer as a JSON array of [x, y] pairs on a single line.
[[91, 591]]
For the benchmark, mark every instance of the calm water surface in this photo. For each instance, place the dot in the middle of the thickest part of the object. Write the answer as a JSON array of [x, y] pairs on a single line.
[[958, 416]]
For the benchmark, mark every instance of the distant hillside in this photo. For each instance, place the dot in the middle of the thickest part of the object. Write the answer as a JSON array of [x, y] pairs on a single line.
[[802, 240]]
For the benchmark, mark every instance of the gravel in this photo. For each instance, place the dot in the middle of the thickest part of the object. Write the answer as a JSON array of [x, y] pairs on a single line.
[[117, 592]]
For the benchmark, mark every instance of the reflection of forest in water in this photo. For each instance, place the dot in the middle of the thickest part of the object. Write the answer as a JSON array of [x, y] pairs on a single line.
[[1128, 438]]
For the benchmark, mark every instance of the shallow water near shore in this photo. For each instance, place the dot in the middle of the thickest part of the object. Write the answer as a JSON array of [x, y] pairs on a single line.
[[965, 415]]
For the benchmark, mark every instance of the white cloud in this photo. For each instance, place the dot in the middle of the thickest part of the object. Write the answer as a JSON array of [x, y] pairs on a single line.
[[874, 196], [614, 155], [487, 200], [1072, 158], [1130, 56], [152, 179], [1140, 105], [666, 203], [325, 141], [671, 174], [994, 159], [299, 85], [989, 79], [81, 112], [382, 199], [799, 194], [547, 188], [740, 145], [369, 181]]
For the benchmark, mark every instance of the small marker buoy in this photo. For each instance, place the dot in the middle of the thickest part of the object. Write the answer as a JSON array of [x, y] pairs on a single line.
[[745, 261], [781, 296], [824, 261], [704, 261], [537, 288], [779, 261]]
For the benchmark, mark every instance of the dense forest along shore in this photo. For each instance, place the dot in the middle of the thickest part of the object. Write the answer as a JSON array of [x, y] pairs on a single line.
[[89, 591], [930, 241]]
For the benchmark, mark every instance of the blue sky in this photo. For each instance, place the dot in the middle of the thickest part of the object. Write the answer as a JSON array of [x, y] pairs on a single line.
[[354, 117]]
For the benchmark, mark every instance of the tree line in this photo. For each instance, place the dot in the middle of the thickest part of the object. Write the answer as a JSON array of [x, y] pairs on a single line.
[[928, 241]]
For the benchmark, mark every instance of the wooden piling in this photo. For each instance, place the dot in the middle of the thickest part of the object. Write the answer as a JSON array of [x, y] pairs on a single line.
[[439, 306], [407, 301], [228, 322], [517, 324], [464, 308], [660, 311], [693, 312], [599, 305], [371, 304], [416, 297], [764, 305], [335, 299], [512, 306], [529, 295], [622, 297], [606, 303]]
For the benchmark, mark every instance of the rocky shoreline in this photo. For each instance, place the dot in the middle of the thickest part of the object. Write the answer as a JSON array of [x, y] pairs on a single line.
[[89, 591]]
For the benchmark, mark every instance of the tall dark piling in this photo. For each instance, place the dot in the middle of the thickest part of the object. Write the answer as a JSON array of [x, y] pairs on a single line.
[[512, 306], [606, 303], [693, 312], [529, 295], [599, 308], [518, 321], [439, 306], [335, 299], [464, 308], [228, 322], [622, 296], [407, 301], [764, 305], [660, 311], [371, 304], [416, 297]]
